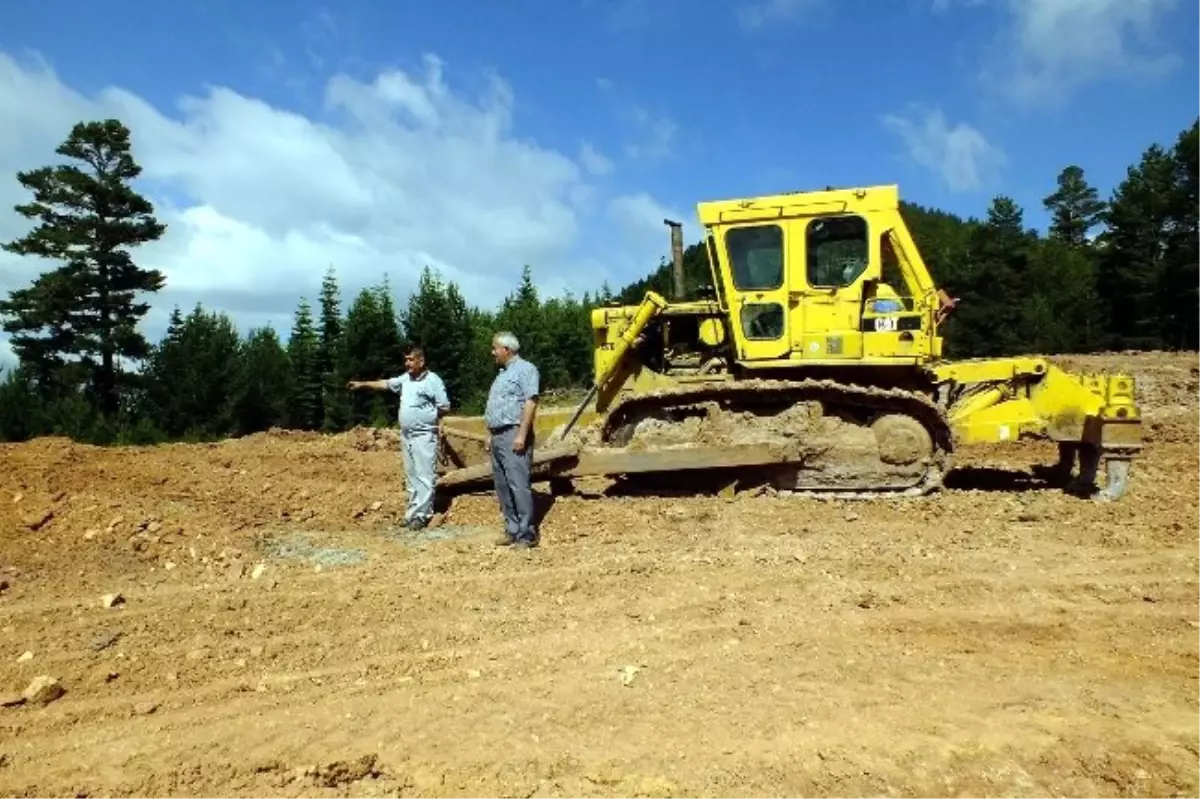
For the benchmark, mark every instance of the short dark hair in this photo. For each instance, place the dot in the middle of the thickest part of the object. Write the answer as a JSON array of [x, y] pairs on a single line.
[[415, 349]]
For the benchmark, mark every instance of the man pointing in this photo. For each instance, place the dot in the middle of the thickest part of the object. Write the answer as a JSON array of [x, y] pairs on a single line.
[[423, 402]]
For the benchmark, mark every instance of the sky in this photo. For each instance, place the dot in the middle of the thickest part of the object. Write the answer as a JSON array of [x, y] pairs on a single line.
[[281, 137]]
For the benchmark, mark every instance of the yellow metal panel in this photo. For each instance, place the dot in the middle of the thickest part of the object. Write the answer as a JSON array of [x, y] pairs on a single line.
[[627, 379], [833, 347], [865, 199], [1007, 421], [896, 345], [984, 370]]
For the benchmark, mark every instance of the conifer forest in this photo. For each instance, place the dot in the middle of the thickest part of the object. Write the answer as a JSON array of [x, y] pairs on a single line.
[[1110, 273]]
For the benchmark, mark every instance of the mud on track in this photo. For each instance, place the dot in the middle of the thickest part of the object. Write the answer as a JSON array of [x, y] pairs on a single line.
[[280, 637]]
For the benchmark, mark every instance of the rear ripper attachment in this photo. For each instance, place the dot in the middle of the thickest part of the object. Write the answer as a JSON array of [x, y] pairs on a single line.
[[1093, 418]]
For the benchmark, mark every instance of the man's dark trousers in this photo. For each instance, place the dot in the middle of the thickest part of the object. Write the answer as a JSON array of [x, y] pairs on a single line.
[[511, 475]]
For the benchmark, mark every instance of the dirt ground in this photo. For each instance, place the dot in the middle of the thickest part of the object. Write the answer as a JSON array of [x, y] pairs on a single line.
[[278, 634]]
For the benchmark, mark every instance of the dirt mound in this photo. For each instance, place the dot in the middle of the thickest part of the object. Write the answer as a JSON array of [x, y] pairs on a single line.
[[1164, 379], [1168, 388], [749, 644]]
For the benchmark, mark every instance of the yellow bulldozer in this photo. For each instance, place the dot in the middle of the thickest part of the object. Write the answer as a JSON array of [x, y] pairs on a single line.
[[813, 364]]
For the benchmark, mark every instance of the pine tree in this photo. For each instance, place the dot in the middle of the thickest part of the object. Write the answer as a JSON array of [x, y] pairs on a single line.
[[992, 287], [372, 349], [1178, 295], [191, 375], [391, 341], [1063, 313], [304, 352], [436, 319], [1075, 207], [264, 383], [334, 401], [1135, 246], [163, 369], [20, 411], [331, 320], [87, 308], [481, 362], [460, 342], [569, 363], [521, 314]]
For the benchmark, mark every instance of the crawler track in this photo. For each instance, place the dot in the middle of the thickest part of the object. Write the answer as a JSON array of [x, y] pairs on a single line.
[[851, 441]]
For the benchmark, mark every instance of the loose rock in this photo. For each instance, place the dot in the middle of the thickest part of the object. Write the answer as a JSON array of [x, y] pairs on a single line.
[[104, 641], [145, 708], [43, 690], [36, 521]]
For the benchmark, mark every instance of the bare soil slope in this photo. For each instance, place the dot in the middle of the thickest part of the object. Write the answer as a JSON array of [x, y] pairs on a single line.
[[278, 634]]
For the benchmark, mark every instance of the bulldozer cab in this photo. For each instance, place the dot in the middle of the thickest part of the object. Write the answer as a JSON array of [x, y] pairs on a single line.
[[822, 277]]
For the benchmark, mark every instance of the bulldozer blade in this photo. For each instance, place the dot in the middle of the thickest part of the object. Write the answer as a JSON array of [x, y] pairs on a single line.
[[569, 461], [547, 463]]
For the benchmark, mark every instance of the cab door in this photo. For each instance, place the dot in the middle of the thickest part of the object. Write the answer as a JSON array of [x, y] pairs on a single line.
[[758, 289]]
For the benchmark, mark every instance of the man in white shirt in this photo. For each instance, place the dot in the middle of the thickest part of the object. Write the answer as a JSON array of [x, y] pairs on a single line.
[[423, 403]]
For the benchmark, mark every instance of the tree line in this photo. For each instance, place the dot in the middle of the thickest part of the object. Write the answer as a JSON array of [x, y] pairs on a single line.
[[1120, 273]]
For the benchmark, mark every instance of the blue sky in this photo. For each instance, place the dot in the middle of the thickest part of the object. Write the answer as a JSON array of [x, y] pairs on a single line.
[[558, 134]]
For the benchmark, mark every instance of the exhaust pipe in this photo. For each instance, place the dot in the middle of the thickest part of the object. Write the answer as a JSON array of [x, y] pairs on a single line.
[[676, 256]]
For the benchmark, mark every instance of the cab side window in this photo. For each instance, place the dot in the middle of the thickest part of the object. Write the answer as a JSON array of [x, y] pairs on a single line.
[[756, 256], [838, 251], [889, 296]]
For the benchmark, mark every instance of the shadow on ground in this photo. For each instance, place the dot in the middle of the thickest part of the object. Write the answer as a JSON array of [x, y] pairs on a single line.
[[987, 478], [714, 482]]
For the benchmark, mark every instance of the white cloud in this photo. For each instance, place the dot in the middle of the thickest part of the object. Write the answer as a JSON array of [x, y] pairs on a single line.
[[1047, 49], [1063, 44], [641, 217], [753, 16], [400, 172], [960, 156], [654, 135], [593, 160], [650, 136]]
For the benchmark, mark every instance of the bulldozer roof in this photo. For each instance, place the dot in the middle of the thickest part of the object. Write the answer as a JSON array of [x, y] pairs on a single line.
[[862, 199]]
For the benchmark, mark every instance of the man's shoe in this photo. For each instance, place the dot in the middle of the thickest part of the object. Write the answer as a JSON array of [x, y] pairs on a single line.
[[417, 524], [505, 540], [525, 543]]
